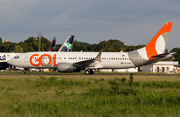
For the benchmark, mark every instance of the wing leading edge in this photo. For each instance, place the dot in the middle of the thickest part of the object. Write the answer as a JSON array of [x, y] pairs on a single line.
[[86, 63]]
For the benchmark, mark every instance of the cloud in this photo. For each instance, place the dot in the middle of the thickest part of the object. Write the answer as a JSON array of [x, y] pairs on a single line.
[[92, 20]]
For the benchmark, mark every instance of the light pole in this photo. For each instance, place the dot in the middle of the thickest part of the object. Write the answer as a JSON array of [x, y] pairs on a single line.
[[39, 35]]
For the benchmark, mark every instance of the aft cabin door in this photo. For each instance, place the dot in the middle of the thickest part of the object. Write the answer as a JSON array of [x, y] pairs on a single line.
[[26, 58]]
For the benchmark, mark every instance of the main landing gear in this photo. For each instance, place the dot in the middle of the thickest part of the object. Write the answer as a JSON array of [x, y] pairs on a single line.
[[24, 72], [89, 71]]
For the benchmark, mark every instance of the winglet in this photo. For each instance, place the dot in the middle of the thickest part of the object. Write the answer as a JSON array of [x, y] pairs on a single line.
[[98, 57]]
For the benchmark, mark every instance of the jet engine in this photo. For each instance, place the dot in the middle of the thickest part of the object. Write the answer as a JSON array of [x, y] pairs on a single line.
[[65, 67]]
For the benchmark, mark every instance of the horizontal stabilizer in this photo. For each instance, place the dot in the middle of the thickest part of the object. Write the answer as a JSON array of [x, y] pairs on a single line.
[[160, 57], [163, 55]]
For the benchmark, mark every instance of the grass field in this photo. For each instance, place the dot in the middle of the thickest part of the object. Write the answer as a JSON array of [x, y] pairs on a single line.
[[89, 96], [81, 73]]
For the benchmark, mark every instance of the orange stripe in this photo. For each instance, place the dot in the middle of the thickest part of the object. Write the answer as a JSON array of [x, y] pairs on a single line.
[[150, 48]]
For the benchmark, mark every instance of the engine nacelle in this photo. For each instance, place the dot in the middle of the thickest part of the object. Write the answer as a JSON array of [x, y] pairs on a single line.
[[65, 67]]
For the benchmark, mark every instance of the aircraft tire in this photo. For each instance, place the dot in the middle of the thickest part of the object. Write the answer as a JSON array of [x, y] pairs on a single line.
[[87, 72], [24, 72], [91, 71]]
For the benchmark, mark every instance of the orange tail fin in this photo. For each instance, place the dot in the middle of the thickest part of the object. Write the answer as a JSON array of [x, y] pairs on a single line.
[[158, 44]]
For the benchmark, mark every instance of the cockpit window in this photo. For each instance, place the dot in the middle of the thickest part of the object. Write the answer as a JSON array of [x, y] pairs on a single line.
[[16, 57]]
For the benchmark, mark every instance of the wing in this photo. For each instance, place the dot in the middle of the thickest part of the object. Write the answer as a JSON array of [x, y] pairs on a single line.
[[86, 63]]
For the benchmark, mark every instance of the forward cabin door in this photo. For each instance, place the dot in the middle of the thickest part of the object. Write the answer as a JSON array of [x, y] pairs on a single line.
[[26, 58]]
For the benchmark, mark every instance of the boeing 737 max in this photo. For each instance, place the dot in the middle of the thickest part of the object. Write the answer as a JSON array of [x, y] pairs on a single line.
[[89, 61]]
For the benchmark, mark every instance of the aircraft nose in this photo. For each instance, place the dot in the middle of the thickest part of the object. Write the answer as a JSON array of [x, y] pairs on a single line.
[[10, 61]]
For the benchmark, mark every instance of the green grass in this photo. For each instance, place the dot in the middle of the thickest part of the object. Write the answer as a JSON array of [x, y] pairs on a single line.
[[90, 96], [82, 73]]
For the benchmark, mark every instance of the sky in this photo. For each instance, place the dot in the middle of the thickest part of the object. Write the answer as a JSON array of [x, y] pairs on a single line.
[[133, 22]]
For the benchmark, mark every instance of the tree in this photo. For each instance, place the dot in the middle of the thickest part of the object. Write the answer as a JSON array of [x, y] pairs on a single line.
[[31, 44], [101, 45], [78, 46], [114, 45], [177, 54], [45, 44], [92, 47], [18, 49], [25, 47], [132, 47], [7, 46], [4, 48], [1, 41], [11, 46], [57, 47], [110, 46]]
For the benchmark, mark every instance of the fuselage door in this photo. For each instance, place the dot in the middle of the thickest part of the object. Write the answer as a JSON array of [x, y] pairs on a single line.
[[26, 58]]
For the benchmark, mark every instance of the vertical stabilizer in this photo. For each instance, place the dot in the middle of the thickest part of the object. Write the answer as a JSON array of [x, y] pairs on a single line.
[[158, 44], [67, 46], [52, 46]]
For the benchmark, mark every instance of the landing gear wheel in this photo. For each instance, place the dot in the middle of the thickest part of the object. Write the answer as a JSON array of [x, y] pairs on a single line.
[[24, 72], [87, 72], [91, 71]]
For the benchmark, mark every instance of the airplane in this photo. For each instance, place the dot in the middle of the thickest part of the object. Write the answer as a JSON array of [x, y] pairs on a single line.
[[4, 57], [90, 61]]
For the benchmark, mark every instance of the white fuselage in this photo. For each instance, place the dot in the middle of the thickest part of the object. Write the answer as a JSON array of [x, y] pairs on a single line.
[[113, 60], [4, 57]]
